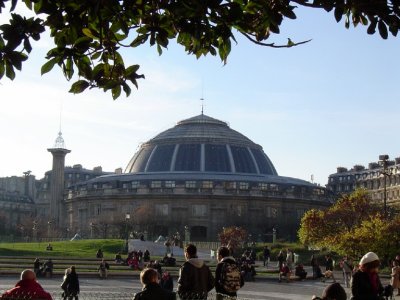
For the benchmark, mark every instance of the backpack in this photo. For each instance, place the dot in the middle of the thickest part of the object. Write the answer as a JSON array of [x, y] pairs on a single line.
[[230, 277]]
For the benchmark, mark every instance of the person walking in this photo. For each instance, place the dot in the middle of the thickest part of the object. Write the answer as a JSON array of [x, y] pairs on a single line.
[[365, 284], [314, 265], [195, 278], [266, 256], [328, 263], [27, 286], [71, 284], [395, 277], [228, 278], [289, 259], [151, 289], [347, 268], [281, 259]]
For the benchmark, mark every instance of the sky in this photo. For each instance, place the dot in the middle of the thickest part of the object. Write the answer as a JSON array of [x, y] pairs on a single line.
[[331, 102]]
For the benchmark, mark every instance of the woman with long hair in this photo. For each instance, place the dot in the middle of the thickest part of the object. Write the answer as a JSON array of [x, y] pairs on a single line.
[[71, 284], [366, 284]]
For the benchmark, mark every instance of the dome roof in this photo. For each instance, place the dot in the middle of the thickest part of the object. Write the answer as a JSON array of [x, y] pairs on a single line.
[[201, 144]]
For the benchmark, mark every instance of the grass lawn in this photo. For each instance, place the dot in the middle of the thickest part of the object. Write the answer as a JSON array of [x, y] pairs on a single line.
[[81, 249]]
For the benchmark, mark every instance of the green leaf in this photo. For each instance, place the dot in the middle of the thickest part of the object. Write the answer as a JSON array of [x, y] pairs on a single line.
[[79, 86], [382, 29], [2, 69], [88, 33], [141, 39], [339, 11], [131, 70], [116, 92], [372, 27], [10, 71], [81, 40], [127, 89], [27, 45], [47, 67]]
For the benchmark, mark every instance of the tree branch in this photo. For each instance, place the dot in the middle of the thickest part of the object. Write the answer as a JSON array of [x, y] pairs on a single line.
[[272, 45]]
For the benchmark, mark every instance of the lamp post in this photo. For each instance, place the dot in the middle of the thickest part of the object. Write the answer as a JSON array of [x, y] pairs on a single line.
[[383, 161], [127, 218], [49, 229], [273, 235], [91, 230], [34, 230]]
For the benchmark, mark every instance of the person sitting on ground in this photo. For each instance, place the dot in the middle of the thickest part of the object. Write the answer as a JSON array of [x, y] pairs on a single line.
[[333, 291], [146, 256], [103, 269], [37, 267], [318, 272], [134, 262], [169, 261], [151, 288], [99, 254], [300, 272], [166, 281], [48, 268], [284, 272], [49, 247], [27, 287], [118, 258]]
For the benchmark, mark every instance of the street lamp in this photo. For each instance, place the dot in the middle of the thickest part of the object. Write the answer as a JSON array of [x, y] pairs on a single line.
[[34, 230], [91, 230], [383, 161], [127, 218], [49, 229]]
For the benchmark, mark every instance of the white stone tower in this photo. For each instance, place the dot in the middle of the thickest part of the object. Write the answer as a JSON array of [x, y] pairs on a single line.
[[59, 152]]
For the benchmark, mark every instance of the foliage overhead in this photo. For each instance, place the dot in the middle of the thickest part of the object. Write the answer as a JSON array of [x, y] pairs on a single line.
[[88, 35], [352, 226]]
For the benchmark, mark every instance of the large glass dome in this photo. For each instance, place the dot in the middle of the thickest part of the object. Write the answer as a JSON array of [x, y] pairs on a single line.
[[201, 144]]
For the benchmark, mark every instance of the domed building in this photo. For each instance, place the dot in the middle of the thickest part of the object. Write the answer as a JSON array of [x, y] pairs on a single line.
[[200, 175]]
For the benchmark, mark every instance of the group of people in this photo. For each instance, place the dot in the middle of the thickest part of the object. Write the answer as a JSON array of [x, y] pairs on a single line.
[[195, 278], [43, 269], [363, 280]]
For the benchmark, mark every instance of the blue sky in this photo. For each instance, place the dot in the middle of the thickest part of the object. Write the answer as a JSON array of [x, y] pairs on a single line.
[[331, 102]]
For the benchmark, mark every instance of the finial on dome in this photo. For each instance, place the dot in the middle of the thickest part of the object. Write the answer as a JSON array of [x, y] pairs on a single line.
[[202, 106], [59, 143]]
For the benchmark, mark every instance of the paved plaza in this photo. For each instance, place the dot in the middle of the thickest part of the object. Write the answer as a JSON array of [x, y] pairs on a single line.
[[92, 288]]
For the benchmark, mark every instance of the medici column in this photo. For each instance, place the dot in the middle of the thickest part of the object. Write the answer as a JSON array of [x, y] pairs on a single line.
[[57, 182]]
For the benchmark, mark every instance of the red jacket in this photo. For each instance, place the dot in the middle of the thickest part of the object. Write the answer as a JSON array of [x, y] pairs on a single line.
[[25, 288]]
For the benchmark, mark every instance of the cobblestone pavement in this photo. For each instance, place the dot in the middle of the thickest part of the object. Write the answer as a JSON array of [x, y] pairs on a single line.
[[125, 288]]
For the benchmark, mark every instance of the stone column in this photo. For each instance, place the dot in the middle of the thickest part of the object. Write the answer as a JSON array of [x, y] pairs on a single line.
[[57, 186]]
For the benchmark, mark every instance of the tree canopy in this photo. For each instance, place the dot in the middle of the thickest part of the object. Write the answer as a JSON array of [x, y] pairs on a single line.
[[353, 226], [88, 35]]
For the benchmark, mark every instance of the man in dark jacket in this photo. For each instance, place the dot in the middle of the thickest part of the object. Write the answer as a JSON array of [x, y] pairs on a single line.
[[195, 278], [224, 280], [27, 287], [151, 289]]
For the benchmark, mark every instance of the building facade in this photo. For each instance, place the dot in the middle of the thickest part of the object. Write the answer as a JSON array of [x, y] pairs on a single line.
[[202, 175], [375, 179]]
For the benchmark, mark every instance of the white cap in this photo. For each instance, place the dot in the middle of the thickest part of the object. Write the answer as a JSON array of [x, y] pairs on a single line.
[[367, 258]]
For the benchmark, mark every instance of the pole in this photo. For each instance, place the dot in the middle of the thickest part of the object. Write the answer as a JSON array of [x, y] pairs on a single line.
[[384, 191]]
